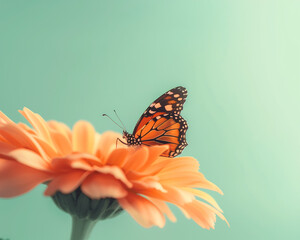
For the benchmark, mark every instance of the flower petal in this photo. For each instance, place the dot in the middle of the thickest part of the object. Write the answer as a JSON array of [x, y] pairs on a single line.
[[148, 182], [47, 148], [118, 157], [178, 178], [173, 195], [26, 157], [62, 144], [38, 123], [66, 182], [61, 128], [205, 196], [106, 144], [154, 153], [85, 160], [203, 214], [136, 158], [18, 137], [115, 172], [4, 118], [17, 179], [142, 210], [184, 164], [26, 128], [181, 179], [163, 207], [83, 138], [99, 185], [184, 212]]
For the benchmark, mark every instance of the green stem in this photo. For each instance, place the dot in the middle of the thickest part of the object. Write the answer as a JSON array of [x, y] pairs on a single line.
[[81, 228]]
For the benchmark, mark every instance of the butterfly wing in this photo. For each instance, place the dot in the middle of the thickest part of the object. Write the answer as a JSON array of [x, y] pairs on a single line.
[[164, 129], [161, 123], [170, 102]]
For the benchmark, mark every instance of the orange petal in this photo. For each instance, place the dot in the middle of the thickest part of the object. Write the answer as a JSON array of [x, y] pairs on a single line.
[[26, 157], [180, 179], [118, 157], [187, 179], [83, 138], [173, 195], [66, 182], [106, 144], [220, 215], [18, 137], [38, 123], [61, 128], [154, 153], [99, 185], [83, 161], [65, 164], [164, 164], [184, 212], [116, 172], [146, 183], [181, 163], [4, 118], [49, 150], [142, 210], [136, 158], [203, 214], [6, 148], [26, 128], [62, 144], [207, 185], [163, 207], [205, 196], [2, 139], [17, 179]]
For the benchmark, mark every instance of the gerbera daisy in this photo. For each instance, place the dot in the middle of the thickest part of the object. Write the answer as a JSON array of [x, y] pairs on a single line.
[[91, 178]]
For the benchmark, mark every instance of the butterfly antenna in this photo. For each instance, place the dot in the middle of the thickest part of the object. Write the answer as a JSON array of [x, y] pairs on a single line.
[[105, 115], [124, 128]]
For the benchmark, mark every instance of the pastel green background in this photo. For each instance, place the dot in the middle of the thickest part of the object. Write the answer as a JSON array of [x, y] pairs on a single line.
[[239, 60]]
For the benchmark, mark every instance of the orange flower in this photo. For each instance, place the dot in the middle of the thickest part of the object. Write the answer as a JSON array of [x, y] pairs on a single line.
[[137, 177]]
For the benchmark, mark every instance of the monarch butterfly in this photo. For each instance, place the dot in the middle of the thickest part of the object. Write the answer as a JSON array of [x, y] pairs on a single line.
[[161, 124]]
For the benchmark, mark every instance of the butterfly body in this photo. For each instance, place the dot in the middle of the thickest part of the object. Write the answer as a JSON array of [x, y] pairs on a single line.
[[162, 124], [130, 139]]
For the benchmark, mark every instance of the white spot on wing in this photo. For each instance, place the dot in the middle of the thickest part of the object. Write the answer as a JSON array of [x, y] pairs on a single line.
[[168, 107], [157, 105]]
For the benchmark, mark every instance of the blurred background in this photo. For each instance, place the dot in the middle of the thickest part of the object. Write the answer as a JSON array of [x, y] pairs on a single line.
[[240, 61]]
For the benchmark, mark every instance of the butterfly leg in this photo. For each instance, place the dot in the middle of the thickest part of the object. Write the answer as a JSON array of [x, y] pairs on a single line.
[[118, 139]]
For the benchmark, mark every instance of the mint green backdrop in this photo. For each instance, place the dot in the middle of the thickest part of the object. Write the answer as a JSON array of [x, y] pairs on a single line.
[[239, 60]]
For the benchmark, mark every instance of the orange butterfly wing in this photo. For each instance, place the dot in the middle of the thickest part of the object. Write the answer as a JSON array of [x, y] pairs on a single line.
[[166, 129], [170, 102], [162, 124]]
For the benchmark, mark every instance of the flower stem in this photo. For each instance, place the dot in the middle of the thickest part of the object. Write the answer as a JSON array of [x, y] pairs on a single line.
[[81, 228]]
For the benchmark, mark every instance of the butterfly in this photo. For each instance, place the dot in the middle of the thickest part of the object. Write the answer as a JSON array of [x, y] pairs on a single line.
[[162, 124]]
